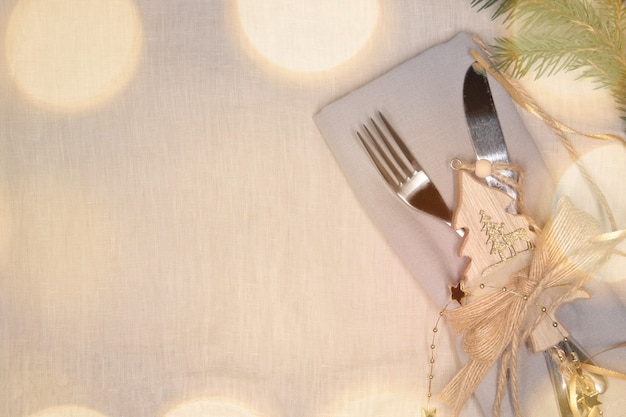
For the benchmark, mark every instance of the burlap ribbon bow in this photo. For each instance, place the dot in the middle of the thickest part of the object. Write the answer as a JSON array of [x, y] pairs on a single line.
[[495, 325]]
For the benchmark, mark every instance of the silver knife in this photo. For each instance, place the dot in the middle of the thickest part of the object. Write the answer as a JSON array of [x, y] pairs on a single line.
[[489, 144], [484, 126]]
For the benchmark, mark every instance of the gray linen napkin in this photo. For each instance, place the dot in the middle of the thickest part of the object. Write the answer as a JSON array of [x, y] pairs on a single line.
[[423, 100]]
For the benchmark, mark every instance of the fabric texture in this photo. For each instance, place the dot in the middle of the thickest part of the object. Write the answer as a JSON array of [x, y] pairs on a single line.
[[177, 238]]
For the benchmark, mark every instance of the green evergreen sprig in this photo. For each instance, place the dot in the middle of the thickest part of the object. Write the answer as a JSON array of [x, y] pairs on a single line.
[[504, 6], [564, 35]]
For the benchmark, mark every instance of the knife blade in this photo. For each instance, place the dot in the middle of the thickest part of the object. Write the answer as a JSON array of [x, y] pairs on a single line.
[[484, 126]]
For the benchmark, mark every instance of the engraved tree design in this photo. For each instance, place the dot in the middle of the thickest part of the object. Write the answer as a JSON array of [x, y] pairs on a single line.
[[504, 242], [494, 236]]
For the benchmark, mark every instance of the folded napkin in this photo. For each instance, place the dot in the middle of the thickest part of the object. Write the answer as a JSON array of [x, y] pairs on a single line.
[[422, 98]]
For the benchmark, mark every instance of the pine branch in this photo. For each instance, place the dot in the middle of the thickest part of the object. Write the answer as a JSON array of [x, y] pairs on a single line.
[[549, 15], [546, 56], [504, 7], [565, 35]]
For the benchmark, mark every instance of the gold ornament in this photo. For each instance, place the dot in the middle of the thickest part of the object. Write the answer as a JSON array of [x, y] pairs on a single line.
[[430, 412]]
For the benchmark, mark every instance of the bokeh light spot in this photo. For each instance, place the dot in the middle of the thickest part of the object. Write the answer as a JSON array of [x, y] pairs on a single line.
[[308, 35], [67, 411], [210, 408], [382, 403], [70, 55]]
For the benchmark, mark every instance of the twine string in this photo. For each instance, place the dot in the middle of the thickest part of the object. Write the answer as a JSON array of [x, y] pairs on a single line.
[[524, 100], [568, 251]]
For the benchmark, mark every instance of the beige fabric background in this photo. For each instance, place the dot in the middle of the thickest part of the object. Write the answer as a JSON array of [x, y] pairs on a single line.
[[177, 240]]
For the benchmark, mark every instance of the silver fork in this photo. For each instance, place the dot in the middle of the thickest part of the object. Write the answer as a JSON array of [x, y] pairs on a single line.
[[400, 169]]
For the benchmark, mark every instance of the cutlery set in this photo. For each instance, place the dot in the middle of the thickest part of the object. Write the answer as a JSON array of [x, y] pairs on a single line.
[[405, 177]]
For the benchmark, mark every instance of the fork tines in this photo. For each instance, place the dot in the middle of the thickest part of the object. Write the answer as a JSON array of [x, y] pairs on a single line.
[[395, 168], [400, 169]]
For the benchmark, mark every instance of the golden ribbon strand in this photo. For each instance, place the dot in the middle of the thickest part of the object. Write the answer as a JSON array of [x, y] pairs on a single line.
[[594, 369]]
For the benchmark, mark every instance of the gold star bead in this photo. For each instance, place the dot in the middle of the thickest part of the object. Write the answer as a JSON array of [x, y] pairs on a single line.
[[429, 412], [591, 400], [457, 292]]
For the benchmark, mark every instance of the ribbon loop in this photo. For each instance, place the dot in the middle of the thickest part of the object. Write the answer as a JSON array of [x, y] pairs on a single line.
[[494, 325]]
